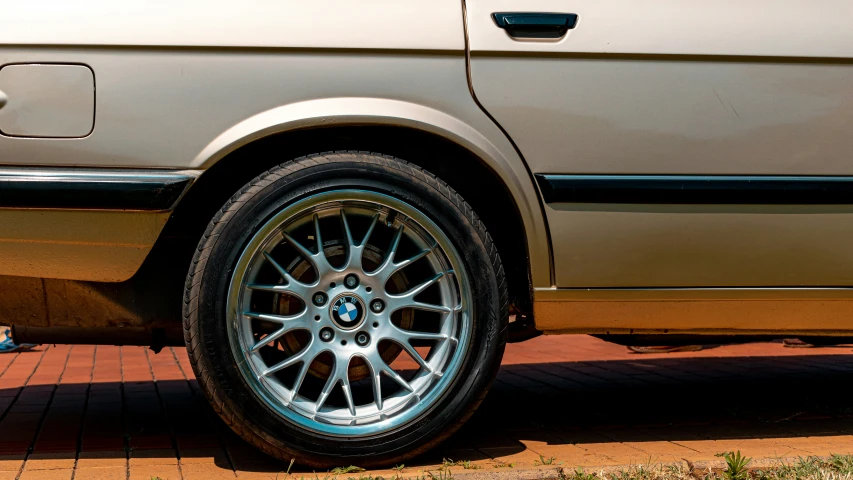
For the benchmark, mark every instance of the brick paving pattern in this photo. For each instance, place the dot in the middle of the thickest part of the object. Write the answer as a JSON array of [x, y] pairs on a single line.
[[85, 412]]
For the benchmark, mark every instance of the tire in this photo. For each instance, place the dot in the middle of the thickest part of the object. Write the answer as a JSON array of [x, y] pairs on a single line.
[[464, 325]]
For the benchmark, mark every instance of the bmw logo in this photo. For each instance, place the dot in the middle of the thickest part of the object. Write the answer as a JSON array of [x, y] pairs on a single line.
[[347, 311]]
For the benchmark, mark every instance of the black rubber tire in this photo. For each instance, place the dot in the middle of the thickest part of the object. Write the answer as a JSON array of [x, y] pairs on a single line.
[[209, 275]]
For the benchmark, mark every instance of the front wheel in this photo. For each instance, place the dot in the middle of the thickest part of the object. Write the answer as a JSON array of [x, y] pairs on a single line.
[[345, 308]]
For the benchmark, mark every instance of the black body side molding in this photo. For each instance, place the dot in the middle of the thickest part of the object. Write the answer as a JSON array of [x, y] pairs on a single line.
[[86, 189], [697, 189]]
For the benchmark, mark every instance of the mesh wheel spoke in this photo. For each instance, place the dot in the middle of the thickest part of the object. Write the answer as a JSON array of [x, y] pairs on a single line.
[[306, 354], [288, 324]]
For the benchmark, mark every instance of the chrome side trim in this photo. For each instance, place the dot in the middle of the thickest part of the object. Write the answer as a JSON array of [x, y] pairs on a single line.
[[93, 189]]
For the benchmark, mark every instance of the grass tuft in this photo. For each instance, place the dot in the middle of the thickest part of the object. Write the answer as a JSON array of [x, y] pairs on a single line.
[[736, 466], [345, 470], [502, 464], [544, 461], [466, 464]]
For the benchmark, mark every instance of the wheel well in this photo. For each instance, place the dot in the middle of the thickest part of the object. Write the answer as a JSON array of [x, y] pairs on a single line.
[[452, 163]]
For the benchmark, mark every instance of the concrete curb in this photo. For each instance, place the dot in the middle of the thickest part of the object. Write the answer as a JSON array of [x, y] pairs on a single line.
[[697, 469]]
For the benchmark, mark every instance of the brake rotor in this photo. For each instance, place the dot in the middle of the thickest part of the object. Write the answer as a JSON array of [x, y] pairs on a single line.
[[286, 305]]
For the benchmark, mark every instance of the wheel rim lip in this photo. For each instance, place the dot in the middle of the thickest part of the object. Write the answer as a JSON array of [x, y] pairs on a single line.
[[239, 278]]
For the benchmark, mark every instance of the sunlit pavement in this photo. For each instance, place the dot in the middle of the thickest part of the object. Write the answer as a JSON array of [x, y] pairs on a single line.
[[107, 412]]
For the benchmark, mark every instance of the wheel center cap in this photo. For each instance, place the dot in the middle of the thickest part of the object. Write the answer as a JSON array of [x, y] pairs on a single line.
[[347, 311]]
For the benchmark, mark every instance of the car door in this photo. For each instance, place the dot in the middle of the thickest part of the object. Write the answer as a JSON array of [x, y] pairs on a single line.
[[679, 143]]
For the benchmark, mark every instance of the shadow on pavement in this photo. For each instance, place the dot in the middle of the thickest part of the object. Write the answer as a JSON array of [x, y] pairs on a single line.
[[590, 402], [671, 399]]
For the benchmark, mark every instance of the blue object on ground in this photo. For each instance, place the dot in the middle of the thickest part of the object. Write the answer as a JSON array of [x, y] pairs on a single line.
[[7, 345]]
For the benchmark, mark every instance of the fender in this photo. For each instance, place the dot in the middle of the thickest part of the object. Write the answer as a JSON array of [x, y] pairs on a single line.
[[495, 151]]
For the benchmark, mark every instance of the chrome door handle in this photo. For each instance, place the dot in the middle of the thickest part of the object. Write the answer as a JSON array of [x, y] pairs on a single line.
[[536, 25], [3, 99]]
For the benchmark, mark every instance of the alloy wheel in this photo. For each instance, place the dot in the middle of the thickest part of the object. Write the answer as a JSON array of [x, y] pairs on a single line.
[[348, 313]]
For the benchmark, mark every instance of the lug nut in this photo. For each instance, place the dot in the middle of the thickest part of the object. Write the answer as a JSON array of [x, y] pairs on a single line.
[[377, 306], [319, 299], [327, 334], [362, 339], [351, 280]]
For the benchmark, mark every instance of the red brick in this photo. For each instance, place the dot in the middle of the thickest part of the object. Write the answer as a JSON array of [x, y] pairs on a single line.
[[577, 398]]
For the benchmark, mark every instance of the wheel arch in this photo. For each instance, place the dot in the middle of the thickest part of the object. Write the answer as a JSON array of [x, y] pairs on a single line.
[[434, 140]]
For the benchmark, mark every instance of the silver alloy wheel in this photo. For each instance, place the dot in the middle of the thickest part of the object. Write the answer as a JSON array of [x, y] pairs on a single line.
[[349, 312]]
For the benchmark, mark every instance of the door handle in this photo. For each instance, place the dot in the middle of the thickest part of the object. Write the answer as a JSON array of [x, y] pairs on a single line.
[[3, 99], [536, 25]]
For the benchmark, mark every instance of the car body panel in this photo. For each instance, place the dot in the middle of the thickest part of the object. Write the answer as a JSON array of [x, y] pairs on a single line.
[[697, 311], [750, 316], [672, 87], [702, 245], [103, 246], [784, 28], [368, 24], [160, 109], [183, 95], [83, 224]]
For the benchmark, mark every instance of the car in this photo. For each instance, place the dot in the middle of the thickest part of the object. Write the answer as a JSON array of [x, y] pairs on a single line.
[[339, 206]]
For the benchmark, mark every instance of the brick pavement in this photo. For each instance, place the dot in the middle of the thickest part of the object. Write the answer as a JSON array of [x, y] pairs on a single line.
[[85, 412]]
